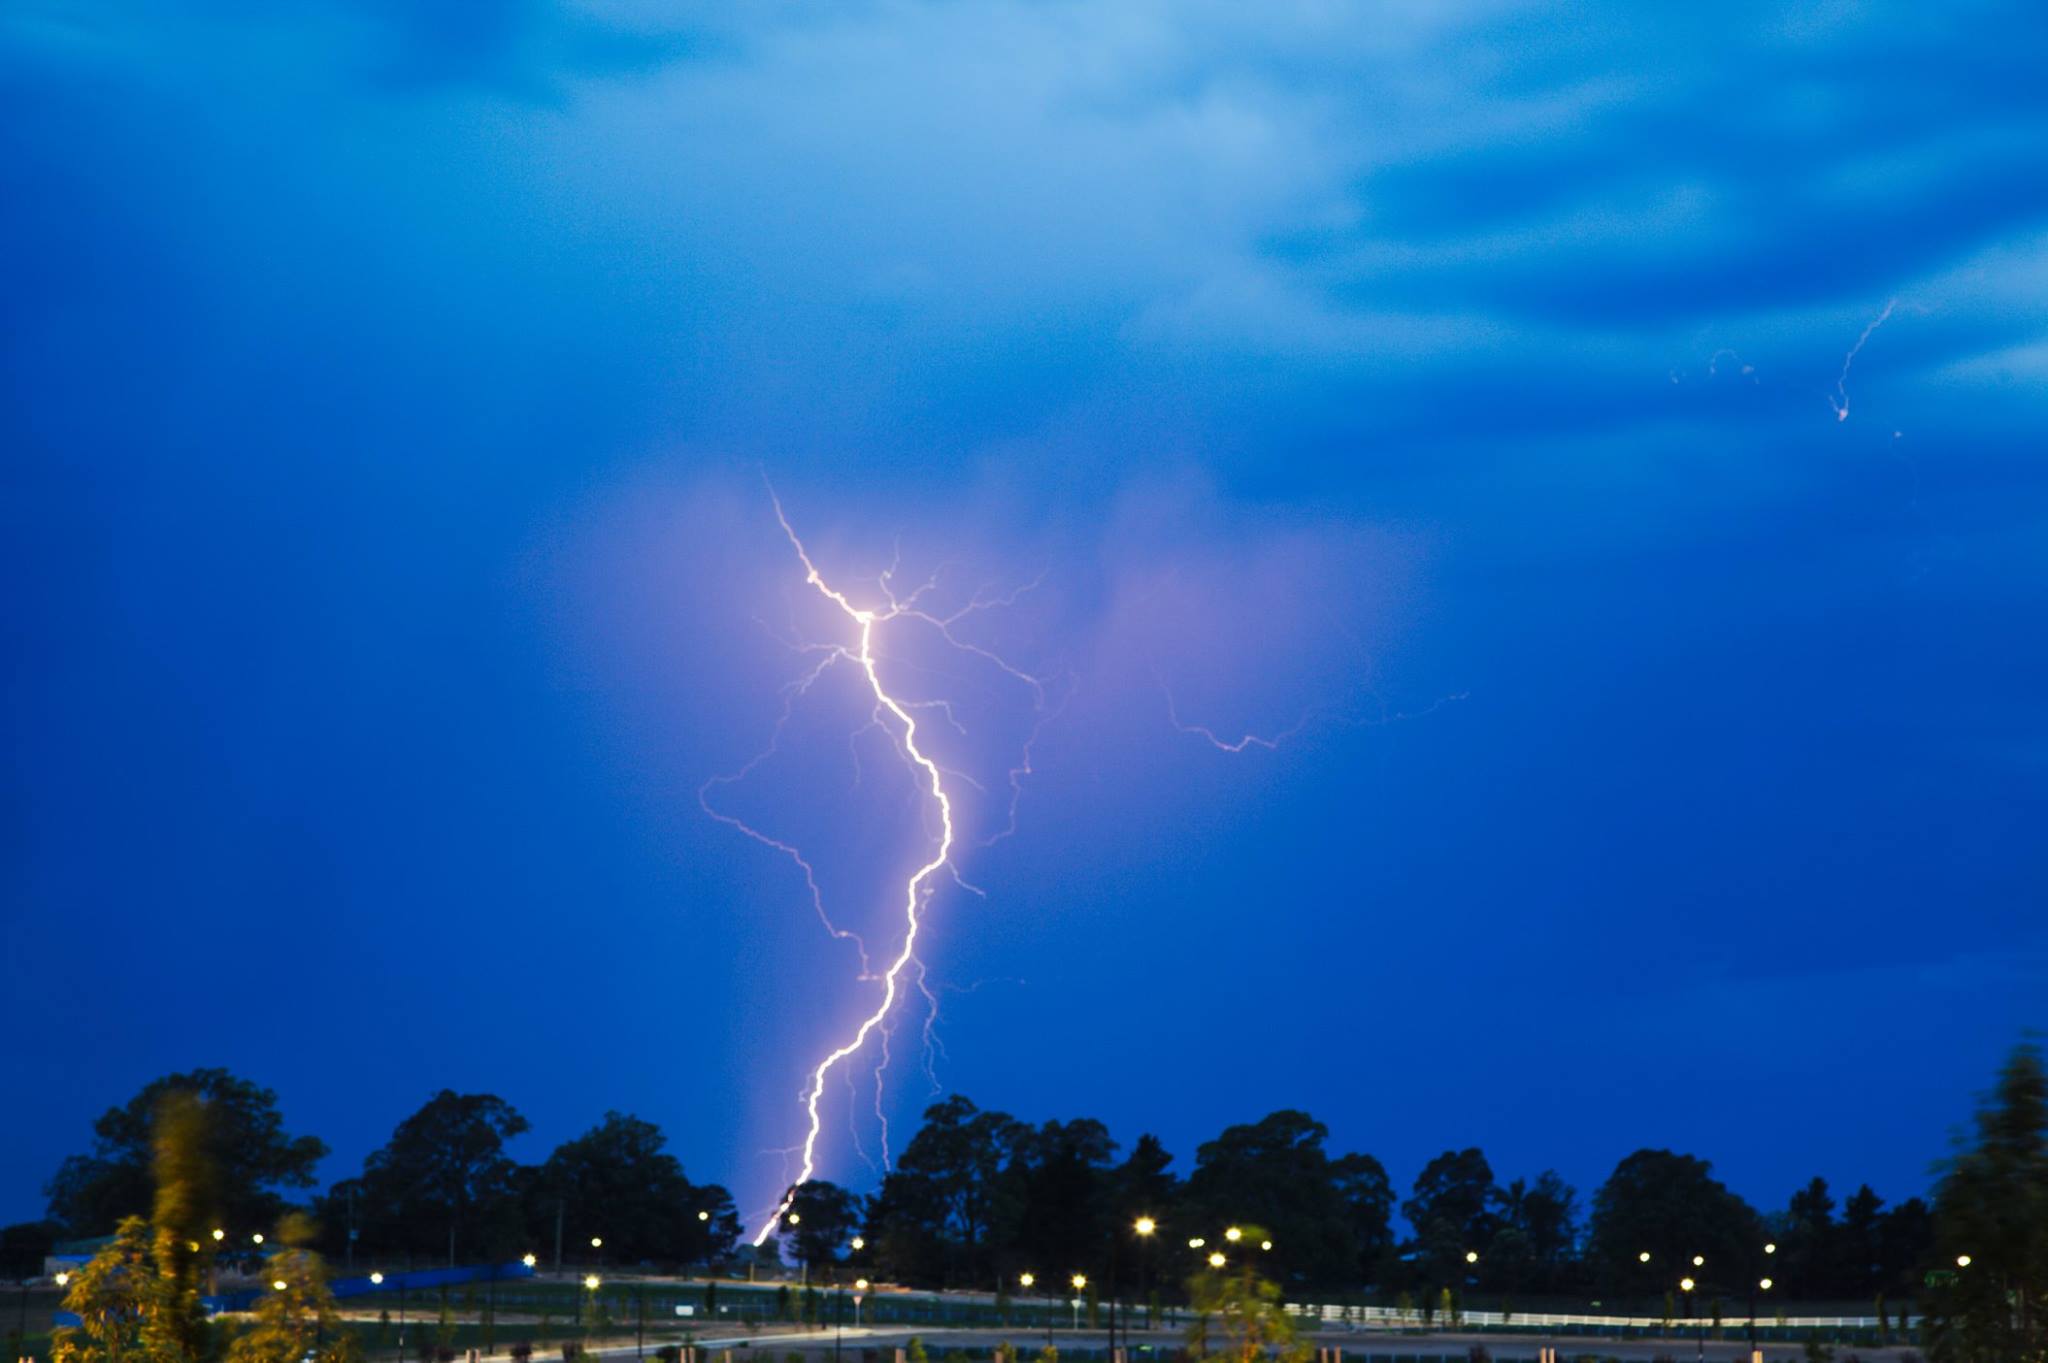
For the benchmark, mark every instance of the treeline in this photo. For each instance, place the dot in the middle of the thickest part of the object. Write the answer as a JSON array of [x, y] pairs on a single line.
[[442, 1189], [980, 1198]]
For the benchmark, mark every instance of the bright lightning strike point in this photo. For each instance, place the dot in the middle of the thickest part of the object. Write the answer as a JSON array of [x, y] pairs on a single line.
[[914, 890]]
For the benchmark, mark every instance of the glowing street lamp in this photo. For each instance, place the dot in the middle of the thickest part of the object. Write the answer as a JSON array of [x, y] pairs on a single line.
[[280, 1284], [703, 1216], [592, 1282], [1644, 1257], [219, 1234], [62, 1278], [1770, 1249], [1024, 1280], [1764, 1284], [1699, 1261], [1471, 1256], [1079, 1280], [257, 1238], [1962, 1261], [376, 1279], [1144, 1225], [1233, 1235], [1216, 1259], [1685, 1284], [1265, 1244], [528, 1259], [1197, 1242], [597, 1242]]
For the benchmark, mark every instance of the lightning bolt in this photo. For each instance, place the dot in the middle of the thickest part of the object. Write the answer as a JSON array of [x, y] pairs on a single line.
[[1840, 400], [916, 890]]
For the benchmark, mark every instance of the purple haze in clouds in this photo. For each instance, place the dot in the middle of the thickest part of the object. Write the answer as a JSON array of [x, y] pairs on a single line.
[[384, 401]]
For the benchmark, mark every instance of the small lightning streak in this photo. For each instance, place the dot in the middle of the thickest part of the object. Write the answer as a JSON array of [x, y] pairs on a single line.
[[915, 889], [1840, 400]]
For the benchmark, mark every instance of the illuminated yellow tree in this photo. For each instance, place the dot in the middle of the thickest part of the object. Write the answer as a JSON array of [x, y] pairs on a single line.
[[295, 1315], [111, 1296], [1239, 1317], [175, 1331]]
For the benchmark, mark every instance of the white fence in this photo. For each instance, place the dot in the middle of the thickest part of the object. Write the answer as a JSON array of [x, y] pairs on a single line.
[[1393, 1318]]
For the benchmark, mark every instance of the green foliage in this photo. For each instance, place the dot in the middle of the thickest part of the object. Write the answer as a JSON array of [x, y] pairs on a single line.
[[111, 1295], [1992, 1204], [1673, 1207], [294, 1314], [175, 1330], [618, 1180], [1239, 1315], [914, 1351], [443, 1182]]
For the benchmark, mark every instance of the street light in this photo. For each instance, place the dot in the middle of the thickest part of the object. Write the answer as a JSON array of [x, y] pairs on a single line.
[[703, 1216], [1144, 1225], [1643, 1258], [220, 1234], [1699, 1261], [859, 1243], [1685, 1284], [1079, 1280], [1266, 1244], [1471, 1256], [528, 1260], [1197, 1242], [1233, 1235], [62, 1278], [1764, 1283], [1962, 1261], [1216, 1260], [597, 1242], [592, 1281], [257, 1237], [376, 1279], [1770, 1249], [280, 1284]]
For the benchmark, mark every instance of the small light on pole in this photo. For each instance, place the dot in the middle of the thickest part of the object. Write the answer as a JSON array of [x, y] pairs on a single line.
[[257, 1237], [1025, 1280], [220, 1234], [1962, 1261], [1216, 1259], [528, 1259], [1764, 1284], [1699, 1261], [597, 1242], [1770, 1249], [1471, 1256], [280, 1284], [1265, 1244], [592, 1282], [1144, 1225], [63, 1278], [1233, 1235], [1644, 1257], [703, 1216], [1685, 1284], [1197, 1242], [859, 1243]]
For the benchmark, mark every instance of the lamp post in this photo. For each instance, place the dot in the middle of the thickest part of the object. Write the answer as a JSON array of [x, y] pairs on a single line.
[[1145, 1227], [1079, 1280], [1025, 1280]]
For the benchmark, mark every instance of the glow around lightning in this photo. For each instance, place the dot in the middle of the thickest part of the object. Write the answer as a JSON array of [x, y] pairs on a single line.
[[914, 889]]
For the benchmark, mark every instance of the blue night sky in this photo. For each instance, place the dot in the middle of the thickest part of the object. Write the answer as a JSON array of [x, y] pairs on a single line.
[[390, 397]]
